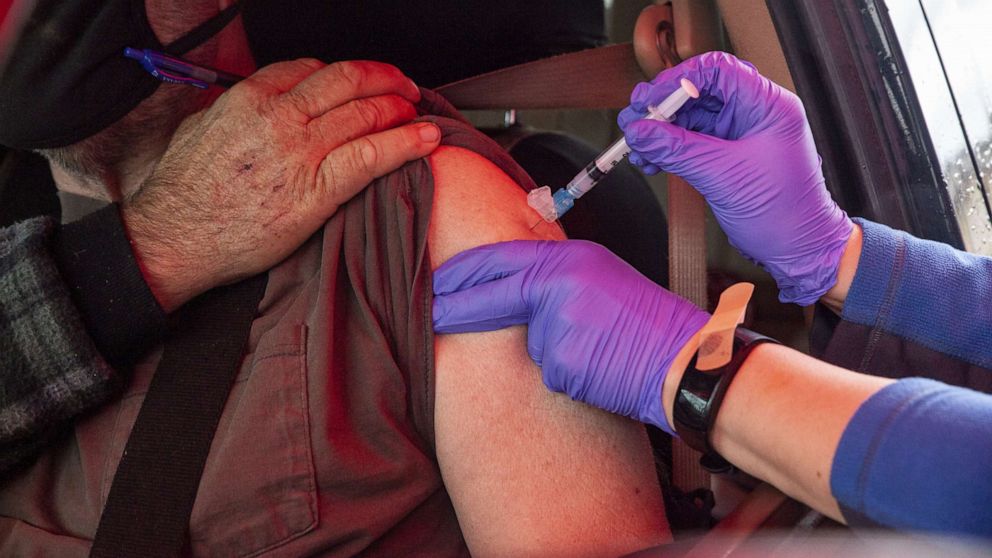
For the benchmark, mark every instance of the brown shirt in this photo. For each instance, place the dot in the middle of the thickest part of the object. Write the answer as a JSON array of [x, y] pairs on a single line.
[[326, 444]]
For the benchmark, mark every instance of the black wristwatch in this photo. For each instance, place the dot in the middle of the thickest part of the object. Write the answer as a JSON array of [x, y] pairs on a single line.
[[700, 394]]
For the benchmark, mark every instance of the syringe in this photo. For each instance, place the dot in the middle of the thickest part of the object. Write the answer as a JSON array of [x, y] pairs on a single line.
[[552, 207]]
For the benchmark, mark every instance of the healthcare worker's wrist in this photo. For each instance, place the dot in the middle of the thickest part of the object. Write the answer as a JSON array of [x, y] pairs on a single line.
[[674, 376], [846, 270]]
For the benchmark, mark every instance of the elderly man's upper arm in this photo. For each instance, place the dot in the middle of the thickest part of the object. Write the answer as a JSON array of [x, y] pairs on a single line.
[[529, 471]]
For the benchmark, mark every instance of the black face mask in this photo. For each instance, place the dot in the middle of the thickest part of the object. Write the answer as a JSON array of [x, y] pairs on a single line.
[[67, 77]]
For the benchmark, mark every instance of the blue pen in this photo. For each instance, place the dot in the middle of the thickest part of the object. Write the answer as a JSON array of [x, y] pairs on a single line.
[[176, 70]]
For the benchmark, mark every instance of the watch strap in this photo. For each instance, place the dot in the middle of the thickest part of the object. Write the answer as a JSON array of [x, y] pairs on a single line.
[[700, 394]]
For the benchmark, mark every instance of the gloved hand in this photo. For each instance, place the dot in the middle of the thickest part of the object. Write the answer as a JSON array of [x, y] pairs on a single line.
[[746, 146], [600, 331]]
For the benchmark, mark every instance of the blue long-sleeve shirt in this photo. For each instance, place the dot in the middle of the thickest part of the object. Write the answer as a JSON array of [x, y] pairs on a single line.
[[918, 454]]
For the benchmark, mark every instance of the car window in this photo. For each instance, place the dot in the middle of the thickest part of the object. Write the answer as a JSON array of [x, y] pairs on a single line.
[[945, 44]]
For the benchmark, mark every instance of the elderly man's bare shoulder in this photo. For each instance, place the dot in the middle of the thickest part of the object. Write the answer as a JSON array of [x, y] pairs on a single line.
[[529, 471], [477, 203]]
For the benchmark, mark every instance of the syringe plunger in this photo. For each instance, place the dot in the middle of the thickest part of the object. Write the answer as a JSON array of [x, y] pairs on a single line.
[[667, 108]]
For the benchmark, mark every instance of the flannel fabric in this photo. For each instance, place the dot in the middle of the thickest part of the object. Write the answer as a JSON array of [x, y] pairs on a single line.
[[51, 371]]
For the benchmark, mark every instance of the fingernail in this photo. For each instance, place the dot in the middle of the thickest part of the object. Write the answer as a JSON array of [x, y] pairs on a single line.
[[429, 133]]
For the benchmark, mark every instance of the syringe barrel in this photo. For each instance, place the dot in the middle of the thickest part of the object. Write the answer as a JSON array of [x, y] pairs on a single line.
[[585, 180], [612, 155], [597, 169]]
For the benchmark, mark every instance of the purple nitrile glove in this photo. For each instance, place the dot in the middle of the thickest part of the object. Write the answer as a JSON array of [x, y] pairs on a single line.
[[746, 146], [600, 331]]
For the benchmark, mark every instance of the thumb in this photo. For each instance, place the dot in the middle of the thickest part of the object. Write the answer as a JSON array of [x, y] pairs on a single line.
[[486, 307], [673, 149]]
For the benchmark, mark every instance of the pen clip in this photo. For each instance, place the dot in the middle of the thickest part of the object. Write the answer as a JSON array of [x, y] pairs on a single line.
[[147, 59]]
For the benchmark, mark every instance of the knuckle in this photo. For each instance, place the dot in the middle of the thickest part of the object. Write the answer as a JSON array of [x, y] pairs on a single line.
[[274, 73], [379, 113], [386, 72], [276, 78], [249, 91], [265, 72], [327, 178], [311, 64], [323, 187], [371, 113], [401, 108], [291, 67], [367, 156], [384, 67], [352, 74], [300, 101]]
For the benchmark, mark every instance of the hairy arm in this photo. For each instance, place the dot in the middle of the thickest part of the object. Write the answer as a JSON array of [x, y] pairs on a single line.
[[530, 472]]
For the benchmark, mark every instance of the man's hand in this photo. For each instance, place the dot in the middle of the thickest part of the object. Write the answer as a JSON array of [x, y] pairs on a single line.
[[246, 181], [599, 330], [746, 146]]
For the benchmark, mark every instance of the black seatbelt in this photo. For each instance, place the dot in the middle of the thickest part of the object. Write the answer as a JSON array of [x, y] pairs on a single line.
[[150, 501]]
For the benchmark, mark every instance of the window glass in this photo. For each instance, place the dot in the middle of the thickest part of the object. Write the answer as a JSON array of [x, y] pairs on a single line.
[[945, 43]]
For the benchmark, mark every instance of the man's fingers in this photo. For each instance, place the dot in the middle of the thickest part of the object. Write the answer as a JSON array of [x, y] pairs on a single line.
[[349, 168], [362, 117], [341, 82]]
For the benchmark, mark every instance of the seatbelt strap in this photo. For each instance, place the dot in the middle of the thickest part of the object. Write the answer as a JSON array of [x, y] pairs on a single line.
[[687, 277], [150, 501], [595, 78]]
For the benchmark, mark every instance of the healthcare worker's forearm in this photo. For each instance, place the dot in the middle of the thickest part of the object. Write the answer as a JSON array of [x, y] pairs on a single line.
[[834, 298], [917, 456], [910, 454], [782, 418], [922, 291]]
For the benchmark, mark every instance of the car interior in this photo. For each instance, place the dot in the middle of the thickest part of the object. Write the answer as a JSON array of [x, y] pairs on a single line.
[[856, 64]]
